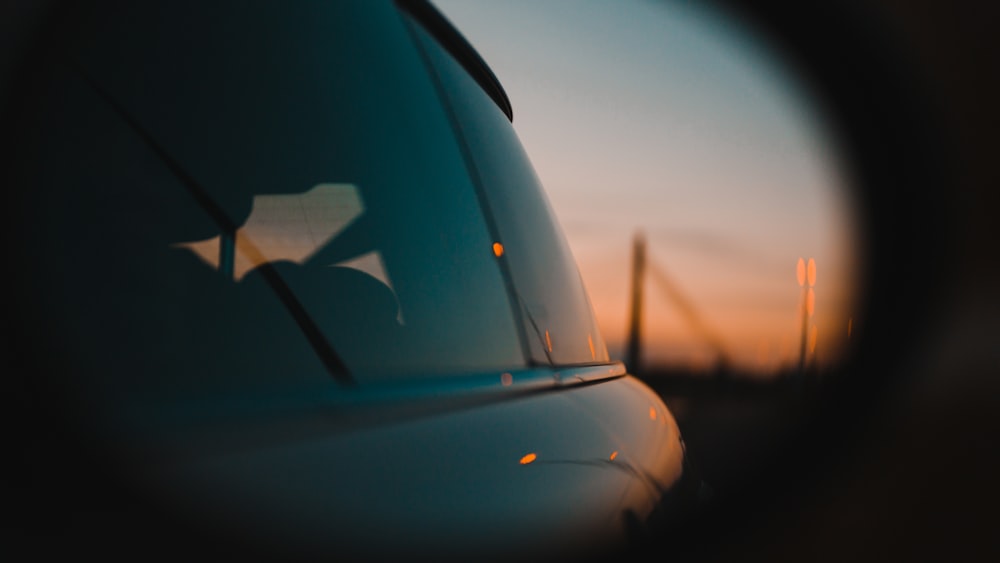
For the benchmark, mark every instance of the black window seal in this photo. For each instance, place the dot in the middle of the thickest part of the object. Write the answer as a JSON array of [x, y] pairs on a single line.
[[459, 47]]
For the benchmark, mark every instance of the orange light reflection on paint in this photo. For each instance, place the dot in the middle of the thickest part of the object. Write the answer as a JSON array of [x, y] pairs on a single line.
[[652, 413], [811, 302], [800, 272], [590, 342], [497, 249], [506, 379], [548, 341], [812, 272], [614, 454], [528, 459]]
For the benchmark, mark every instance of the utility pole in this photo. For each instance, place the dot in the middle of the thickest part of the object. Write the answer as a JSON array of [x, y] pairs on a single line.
[[633, 357]]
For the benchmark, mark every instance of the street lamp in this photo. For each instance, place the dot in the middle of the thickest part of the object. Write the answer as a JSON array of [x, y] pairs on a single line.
[[805, 274]]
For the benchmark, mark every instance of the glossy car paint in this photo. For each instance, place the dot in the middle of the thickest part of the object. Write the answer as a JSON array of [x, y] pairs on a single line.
[[558, 469]]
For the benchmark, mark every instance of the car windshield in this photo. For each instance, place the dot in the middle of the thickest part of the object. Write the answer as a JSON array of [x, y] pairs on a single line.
[[553, 305]]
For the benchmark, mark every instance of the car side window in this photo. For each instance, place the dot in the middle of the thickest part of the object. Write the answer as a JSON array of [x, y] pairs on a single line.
[[339, 175]]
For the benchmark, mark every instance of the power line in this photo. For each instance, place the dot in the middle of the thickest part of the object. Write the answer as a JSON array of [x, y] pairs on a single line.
[[641, 263]]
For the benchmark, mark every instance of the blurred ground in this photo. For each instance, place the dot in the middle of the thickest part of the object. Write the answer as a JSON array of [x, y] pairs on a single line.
[[914, 481]]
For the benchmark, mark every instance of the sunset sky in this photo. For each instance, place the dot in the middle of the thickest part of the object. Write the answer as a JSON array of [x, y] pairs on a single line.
[[680, 122]]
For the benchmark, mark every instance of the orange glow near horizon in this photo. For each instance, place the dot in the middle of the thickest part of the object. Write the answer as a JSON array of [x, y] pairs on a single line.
[[759, 323], [528, 459]]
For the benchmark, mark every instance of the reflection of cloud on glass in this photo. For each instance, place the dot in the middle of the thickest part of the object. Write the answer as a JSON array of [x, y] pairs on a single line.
[[370, 263], [293, 227]]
